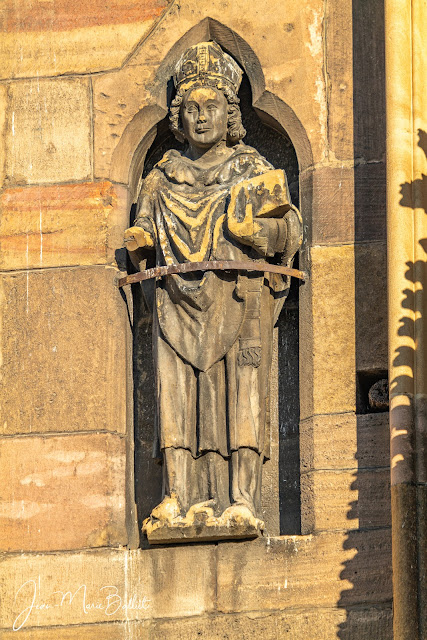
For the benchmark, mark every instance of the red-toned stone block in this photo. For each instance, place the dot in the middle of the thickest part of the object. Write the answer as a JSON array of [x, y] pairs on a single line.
[[61, 225], [62, 492]]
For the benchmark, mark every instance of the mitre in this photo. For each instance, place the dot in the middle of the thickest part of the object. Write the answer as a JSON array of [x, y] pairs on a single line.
[[207, 64]]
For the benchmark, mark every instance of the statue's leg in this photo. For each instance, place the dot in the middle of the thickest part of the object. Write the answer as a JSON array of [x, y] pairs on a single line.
[[218, 481], [178, 470], [246, 469]]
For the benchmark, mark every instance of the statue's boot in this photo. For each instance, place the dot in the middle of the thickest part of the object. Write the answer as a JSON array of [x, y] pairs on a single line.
[[205, 509], [246, 468], [178, 476], [168, 509]]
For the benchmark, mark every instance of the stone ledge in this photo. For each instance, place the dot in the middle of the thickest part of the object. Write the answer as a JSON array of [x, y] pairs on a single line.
[[309, 624], [107, 586], [327, 570]]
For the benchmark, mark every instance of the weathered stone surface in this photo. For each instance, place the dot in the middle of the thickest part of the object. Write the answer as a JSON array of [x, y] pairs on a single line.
[[157, 584], [64, 355], [3, 110], [270, 498], [48, 131], [338, 39], [117, 631], [371, 306], [62, 492], [370, 202], [358, 441], [62, 225], [73, 37], [328, 383], [174, 582], [345, 499], [307, 624], [305, 571], [348, 202], [332, 204], [369, 80]]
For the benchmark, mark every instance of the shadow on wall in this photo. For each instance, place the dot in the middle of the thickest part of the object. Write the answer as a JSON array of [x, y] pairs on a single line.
[[414, 296], [367, 600]]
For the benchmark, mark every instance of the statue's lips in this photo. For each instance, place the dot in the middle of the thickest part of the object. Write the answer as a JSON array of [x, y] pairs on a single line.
[[202, 129]]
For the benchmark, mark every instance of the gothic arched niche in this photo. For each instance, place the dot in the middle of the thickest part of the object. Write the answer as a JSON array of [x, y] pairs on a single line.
[[281, 484]]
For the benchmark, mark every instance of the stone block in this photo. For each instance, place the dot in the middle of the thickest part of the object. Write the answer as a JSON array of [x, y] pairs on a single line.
[[309, 624], [332, 204], [63, 346], [62, 225], [100, 586], [369, 80], [345, 441], [73, 37], [118, 99], [371, 306], [333, 500], [48, 131], [64, 492], [370, 202], [296, 67], [348, 203], [338, 38], [327, 320], [305, 571]]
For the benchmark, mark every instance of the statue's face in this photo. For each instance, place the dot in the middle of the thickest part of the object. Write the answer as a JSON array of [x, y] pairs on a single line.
[[204, 116]]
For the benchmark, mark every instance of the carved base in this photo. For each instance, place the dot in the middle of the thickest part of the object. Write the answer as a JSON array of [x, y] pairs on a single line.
[[237, 522]]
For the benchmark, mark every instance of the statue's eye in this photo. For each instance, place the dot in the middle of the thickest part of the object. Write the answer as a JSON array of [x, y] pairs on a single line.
[[211, 107], [191, 108]]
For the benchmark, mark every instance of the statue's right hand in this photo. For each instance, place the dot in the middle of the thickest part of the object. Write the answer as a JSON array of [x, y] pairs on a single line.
[[136, 238]]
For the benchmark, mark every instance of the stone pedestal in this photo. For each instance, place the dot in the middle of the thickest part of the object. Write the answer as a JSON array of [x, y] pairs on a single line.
[[202, 526]]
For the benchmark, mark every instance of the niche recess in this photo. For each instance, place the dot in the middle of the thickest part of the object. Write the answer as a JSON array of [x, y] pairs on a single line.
[[281, 489]]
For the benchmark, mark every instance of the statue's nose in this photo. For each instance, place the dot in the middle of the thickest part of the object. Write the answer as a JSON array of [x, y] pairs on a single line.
[[202, 117]]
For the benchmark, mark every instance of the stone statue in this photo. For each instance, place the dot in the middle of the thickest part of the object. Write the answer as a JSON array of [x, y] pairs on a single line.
[[212, 335]]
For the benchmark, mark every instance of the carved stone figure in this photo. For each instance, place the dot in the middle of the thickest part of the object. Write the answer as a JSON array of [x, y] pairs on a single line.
[[212, 336]]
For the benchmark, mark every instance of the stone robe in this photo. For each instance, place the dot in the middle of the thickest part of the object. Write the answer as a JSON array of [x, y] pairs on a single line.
[[212, 338]]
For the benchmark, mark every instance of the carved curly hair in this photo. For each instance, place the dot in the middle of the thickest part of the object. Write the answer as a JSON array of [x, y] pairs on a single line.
[[235, 130]]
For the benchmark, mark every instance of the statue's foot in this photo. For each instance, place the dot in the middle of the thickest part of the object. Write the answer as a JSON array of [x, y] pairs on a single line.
[[243, 502], [205, 508], [168, 509], [240, 514]]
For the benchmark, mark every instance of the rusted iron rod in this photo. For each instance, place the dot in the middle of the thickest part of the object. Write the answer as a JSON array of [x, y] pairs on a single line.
[[212, 265]]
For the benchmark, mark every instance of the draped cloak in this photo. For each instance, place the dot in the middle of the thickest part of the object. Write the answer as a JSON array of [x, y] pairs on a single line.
[[212, 331]]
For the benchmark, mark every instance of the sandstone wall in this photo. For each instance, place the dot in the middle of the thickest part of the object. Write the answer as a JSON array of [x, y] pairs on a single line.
[[81, 85]]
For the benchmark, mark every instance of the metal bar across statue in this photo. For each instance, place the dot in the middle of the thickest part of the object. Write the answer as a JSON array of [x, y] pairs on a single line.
[[212, 265]]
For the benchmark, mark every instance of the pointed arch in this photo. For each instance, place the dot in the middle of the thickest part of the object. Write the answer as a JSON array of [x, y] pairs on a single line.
[[129, 155]]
